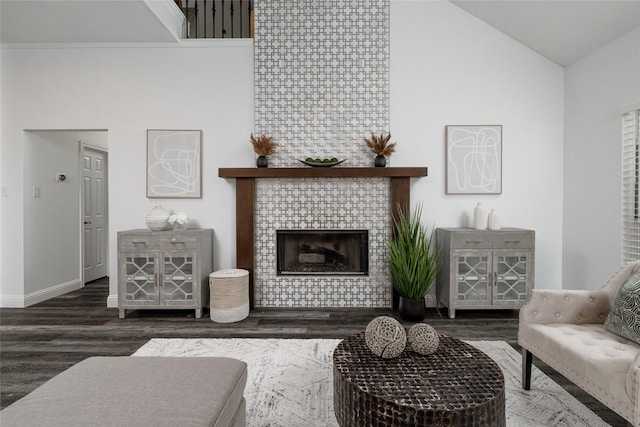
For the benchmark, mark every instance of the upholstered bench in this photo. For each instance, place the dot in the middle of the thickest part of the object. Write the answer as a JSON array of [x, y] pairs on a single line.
[[566, 330], [137, 391]]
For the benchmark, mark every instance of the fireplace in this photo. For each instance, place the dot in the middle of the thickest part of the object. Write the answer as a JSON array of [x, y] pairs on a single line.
[[322, 252], [335, 198]]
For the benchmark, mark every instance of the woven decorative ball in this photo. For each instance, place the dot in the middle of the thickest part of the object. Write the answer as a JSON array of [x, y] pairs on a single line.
[[385, 337], [423, 338]]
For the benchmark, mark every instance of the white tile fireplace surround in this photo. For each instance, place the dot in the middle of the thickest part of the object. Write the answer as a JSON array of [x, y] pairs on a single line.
[[321, 77], [337, 198], [319, 95], [327, 204]]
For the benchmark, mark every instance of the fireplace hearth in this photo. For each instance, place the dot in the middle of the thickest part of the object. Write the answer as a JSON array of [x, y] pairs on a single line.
[[322, 252]]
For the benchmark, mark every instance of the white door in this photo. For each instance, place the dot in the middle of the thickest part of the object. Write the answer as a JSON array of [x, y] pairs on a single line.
[[94, 213]]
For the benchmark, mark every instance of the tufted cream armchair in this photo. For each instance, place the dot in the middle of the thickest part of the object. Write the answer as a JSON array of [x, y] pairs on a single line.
[[564, 329]]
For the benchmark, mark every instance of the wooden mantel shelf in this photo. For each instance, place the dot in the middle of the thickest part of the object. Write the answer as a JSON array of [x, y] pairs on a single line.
[[329, 172], [399, 197]]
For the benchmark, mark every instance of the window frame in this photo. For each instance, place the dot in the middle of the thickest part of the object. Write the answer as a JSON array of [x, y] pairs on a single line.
[[630, 233]]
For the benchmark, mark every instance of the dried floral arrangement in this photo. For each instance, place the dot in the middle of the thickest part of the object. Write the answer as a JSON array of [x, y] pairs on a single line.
[[263, 145], [379, 144]]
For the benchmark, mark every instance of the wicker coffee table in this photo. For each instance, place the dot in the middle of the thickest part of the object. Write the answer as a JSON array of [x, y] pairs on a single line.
[[458, 385]]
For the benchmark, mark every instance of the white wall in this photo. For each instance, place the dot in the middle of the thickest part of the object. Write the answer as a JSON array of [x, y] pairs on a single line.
[[597, 89], [204, 85], [448, 68], [52, 223]]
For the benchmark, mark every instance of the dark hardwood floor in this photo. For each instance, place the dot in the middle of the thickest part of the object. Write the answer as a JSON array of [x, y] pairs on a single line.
[[39, 342]]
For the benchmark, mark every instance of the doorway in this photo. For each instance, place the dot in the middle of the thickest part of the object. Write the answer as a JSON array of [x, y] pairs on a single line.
[[53, 210]]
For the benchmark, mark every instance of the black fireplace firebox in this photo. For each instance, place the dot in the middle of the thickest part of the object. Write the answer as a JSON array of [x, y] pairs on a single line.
[[323, 252]]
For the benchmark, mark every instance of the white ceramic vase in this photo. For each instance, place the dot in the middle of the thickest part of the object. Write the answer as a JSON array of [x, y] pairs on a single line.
[[157, 219], [480, 217], [494, 220]]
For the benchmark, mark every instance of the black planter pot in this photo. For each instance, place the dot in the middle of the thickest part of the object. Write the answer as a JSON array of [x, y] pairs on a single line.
[[380, 161], [262, 162], [413, 310]]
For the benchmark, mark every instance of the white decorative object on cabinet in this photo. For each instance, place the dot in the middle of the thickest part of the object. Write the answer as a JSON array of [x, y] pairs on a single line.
[[495, 220], [157, 219], [484, 269], [480, 217], [164, 269]]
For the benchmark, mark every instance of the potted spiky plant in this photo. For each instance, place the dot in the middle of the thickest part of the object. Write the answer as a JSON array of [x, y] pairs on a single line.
[[413, 263], [263, 146], [380, 145]]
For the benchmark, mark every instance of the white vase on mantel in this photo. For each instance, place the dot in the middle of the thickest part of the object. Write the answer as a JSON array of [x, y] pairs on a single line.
[[480, 217], [494, 220]]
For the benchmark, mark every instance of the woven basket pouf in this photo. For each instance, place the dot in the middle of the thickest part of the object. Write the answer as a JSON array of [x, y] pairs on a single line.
[[229, 295]]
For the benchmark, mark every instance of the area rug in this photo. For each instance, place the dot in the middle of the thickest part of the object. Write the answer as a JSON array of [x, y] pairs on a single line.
[[290, 381]]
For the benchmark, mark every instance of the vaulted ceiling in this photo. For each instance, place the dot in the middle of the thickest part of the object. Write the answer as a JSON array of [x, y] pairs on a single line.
[[561, 30]]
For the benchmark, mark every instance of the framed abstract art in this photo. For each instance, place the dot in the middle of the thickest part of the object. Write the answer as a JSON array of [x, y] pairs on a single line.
[[174, 163], [473, 159]]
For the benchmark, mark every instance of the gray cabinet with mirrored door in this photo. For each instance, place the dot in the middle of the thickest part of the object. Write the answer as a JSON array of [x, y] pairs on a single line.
[[484, 269]]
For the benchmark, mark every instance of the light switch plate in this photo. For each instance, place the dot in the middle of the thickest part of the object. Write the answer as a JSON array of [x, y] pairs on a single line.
[[36, 191], [3, 191]]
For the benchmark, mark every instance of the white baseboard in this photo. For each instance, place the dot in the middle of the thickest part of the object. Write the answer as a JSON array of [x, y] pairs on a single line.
[[112, 301], [22, 301], [52, 292], [12, 301]]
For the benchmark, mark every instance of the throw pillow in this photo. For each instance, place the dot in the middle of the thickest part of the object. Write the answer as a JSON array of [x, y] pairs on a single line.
[[624, 317]]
